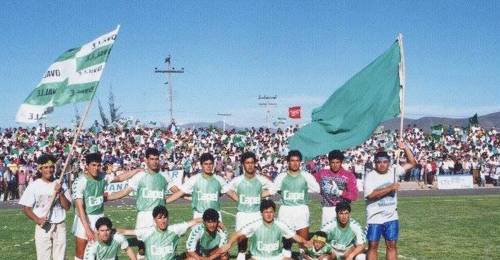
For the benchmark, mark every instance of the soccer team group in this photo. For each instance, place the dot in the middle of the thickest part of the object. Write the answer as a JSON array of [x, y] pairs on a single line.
[[258, 233]]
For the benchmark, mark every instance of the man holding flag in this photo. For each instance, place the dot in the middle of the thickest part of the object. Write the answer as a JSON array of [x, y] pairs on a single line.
[[50, 237], [380, 188]]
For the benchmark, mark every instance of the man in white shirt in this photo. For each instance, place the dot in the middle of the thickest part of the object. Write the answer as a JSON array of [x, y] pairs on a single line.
[[380, 188], [50, 230]]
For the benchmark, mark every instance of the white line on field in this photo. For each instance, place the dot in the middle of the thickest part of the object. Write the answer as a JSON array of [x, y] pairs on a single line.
[[381, 250], [229, 213]]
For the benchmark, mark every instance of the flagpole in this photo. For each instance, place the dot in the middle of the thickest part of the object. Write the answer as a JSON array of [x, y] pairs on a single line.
[[72, 148], [402, 87], [402, 84]]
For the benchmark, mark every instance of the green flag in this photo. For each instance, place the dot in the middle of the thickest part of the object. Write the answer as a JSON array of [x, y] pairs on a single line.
[[437, 131], [473, 121], [353, 112], [73, 77]]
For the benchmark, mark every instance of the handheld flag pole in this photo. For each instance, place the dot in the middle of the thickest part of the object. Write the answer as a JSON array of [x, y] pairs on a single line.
[[402, 86], [89, 62]]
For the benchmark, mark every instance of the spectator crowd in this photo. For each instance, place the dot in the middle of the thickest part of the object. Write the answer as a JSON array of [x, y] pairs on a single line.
[[456, 150]]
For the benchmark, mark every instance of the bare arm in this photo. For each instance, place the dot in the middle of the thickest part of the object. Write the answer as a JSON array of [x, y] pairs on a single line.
[[354, 251], [231, 194], [118, 194], [174, 196], [126, 232], [130, 253], [194, 255], [225, 248], [411, 162], [65, 203], [83, 218], [379, 193], [126, 175], [28, 211], [193, 222]]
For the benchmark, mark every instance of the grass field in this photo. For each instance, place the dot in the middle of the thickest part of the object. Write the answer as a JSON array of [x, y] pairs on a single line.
[[439, 227]]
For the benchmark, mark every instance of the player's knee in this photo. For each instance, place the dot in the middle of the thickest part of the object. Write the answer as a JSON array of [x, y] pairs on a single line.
[[373, 245], [391, 245]]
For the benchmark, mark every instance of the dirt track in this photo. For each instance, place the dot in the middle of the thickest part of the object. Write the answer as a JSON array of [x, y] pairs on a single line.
[[403, 193]]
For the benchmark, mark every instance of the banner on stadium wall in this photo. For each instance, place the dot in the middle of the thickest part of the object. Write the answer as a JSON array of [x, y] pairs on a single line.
[[174, 177], [449, 182]]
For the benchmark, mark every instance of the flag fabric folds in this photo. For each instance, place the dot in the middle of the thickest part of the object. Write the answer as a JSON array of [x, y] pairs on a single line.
[[353, 112], [73, 77]]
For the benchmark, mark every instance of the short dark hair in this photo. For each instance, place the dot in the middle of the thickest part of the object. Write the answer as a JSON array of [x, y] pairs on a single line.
[[210, 215], [152, 151], [343, 206], [381, 154], [93, 157], [103, 221], [267, 203], [247, 155], [206, 157], [45, 158], [335, 154], [293, 153], [160, 210]]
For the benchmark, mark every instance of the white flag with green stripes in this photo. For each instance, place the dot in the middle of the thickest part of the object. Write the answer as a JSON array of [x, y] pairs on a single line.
[[73, 77]]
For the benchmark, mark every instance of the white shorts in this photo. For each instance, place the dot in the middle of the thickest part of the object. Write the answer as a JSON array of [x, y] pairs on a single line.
[[144, 220], [79, 231], [327, 214], [197, 214], [245, 218], [296, 217]]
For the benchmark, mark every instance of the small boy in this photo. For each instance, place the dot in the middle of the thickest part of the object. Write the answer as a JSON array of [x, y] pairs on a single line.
[[320, 250]]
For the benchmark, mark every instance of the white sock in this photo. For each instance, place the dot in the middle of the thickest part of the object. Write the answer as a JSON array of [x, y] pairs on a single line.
[[287, 253], [241, 256]]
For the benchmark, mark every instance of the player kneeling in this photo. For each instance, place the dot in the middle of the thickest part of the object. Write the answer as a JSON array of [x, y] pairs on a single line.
[[345, 235], [108, 243], [205, 240], [162, 239]]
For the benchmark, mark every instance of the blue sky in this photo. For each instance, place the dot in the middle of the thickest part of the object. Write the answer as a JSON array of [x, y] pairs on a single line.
[[233, 51]]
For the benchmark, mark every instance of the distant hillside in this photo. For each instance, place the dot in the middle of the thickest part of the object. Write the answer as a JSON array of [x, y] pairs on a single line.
[[487, 121]]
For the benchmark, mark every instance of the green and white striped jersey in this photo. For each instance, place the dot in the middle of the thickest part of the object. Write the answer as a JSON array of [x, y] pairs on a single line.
[[295, 188], [150, 189], [249, 191], [161, 245], [315, 254], [342, 238], [91, 191], [103, 251], [205, 190], [201, 239], [266, 239]]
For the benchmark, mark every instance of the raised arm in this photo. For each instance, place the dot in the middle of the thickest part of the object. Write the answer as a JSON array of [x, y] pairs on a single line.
[[410, 162], [126, 175], [174, 196], [126, 232]]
